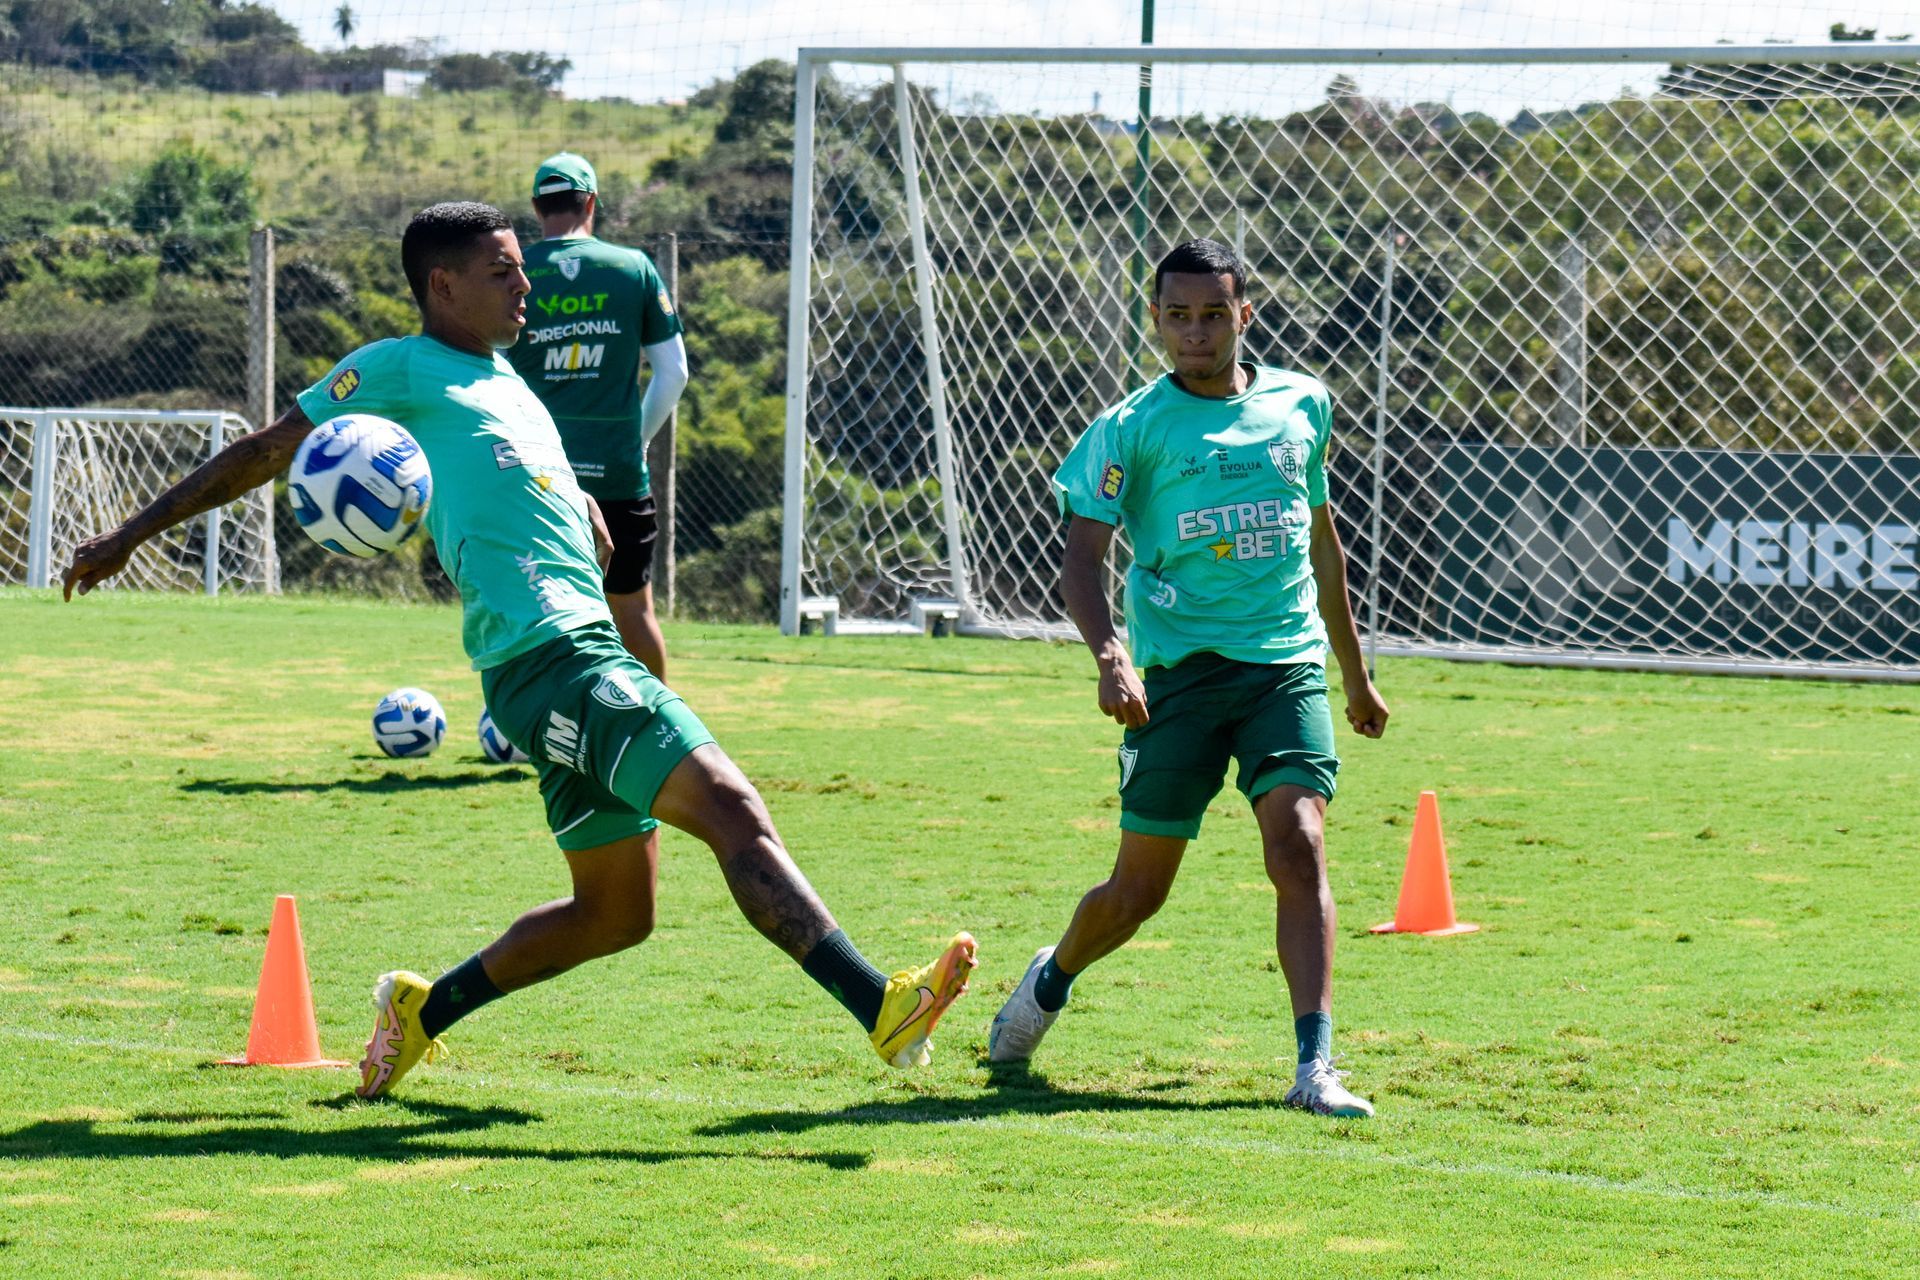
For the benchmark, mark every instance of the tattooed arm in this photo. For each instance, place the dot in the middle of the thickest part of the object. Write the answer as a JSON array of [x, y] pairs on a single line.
[[249, 462]]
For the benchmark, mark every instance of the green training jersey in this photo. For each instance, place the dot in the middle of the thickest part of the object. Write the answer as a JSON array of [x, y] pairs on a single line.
[[508, 519], [593, 306], [1215, 496]]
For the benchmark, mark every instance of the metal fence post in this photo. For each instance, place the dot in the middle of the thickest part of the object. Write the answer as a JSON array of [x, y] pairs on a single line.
[[1383, 383], [1570, 344], [46, 456], [260, 326], [660, 455]]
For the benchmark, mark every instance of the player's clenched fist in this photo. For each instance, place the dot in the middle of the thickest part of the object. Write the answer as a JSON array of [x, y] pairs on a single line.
[[1122, 696], [94, 561]]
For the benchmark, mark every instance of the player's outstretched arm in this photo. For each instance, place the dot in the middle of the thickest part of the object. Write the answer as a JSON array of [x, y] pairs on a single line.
[[1366, 710], [1083, 587], [247, 463]]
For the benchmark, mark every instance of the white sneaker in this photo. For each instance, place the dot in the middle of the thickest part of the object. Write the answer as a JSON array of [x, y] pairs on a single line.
[[1317, 1088], [1017, 1028]]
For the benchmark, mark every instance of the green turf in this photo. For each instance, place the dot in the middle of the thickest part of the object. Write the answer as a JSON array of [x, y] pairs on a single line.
[[1683, 1045]]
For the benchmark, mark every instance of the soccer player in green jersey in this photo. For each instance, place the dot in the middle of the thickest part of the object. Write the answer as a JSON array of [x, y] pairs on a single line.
[[595, 307], [617, 752], [1238, 586]]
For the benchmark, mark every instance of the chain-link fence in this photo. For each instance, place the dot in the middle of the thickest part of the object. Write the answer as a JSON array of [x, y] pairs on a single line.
[[1620, 373], [96, 320], [140, 143]]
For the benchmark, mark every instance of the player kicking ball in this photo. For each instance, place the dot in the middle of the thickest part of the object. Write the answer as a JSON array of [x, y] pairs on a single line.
[[616, 750], [1238, 586]]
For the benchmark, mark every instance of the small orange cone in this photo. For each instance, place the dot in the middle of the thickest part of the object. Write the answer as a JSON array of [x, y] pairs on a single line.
[[283, 1032], [1426, 890]]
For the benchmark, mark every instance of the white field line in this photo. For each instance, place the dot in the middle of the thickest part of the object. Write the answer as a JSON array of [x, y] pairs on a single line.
[[1170, 1142]]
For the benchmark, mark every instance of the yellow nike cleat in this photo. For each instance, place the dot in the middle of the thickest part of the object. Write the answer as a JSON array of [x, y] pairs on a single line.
[[398, 1041], [915, 1000]]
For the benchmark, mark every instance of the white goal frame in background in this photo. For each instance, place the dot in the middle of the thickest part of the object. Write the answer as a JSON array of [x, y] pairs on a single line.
[[82, 471], [1566, 547]]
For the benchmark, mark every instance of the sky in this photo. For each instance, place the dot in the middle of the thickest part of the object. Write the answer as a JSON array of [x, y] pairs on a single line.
[[650, 50]]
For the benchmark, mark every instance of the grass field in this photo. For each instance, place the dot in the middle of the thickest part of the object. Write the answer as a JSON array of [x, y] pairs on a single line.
[[1685, 1043]]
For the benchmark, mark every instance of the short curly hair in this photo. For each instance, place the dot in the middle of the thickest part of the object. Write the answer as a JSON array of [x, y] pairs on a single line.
[[1202, 258], [440, 235]]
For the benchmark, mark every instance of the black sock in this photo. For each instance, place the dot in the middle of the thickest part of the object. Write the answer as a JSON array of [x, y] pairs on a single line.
[[836, 964], [457, 993], [1052, 987]]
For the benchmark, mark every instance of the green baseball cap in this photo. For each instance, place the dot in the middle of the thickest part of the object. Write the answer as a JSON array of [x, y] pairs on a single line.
[[564, 172]]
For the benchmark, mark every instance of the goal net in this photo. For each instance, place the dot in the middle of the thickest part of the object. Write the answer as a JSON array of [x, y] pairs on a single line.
[[67, 474], [1624, 345]]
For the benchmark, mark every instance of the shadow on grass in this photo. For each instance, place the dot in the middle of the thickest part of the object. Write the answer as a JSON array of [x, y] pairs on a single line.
[[387, 783], [1011, 1090], [378, 1141]]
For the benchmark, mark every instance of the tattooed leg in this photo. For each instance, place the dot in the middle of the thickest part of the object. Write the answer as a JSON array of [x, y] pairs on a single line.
[[708, 797]]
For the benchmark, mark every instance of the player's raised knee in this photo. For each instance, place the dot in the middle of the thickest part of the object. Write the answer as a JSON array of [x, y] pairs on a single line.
[[1139, 899], [615, 927]]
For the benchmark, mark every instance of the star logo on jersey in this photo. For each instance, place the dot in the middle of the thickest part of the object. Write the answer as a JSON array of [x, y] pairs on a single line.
[[343, 385], [569, 267], [1222, 550], [1112, 480], [545, 482]]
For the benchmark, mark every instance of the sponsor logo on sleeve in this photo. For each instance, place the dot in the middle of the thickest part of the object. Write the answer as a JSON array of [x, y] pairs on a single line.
[[570, 268], [344, 384], [1112, 480], [666, 303]]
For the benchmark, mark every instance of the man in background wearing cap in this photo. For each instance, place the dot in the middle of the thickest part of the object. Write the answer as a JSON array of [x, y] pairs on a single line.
[[594, 308]]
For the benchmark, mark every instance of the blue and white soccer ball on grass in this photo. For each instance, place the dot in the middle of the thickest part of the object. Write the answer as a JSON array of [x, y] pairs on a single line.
[[409, 722], [359, 485], [494, 745]]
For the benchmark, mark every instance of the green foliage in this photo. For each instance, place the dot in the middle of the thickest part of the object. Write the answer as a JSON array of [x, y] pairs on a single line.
[[738, 579], [531, 75]]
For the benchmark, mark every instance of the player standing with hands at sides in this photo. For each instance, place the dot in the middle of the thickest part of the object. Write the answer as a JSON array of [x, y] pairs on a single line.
[[1238, 587], [594, 308], [616, 750]]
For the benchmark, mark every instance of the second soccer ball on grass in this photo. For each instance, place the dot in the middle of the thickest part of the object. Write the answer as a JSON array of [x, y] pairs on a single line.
[[494, 745], [409, 722]]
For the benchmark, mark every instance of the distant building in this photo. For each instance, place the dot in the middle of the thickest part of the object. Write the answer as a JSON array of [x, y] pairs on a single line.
[[390, 82]]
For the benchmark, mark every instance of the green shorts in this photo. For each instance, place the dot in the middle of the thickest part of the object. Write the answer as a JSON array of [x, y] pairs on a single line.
[[1207, 710], [602, 731]]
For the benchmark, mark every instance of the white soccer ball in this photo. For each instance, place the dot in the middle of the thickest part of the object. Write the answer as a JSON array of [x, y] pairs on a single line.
[[359, 485], [494, 745], [409, 722]]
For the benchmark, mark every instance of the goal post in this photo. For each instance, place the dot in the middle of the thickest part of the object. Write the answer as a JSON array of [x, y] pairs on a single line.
[[67, 474], [1624, 343]]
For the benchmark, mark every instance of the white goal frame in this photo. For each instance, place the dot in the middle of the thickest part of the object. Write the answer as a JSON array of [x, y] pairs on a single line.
[[68, 501], [796, 608]]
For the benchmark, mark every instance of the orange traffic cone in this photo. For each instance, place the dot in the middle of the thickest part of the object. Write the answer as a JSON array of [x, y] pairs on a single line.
[[1426, 890], [283, 1032]]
